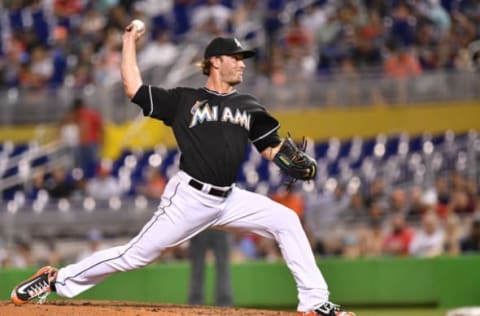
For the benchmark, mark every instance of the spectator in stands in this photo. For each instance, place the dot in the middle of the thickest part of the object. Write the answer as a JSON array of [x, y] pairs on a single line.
[[463, 194], [247, 18], [35, 184], [322, 215], [367, 53], [453, 234], [442, 193], [82, 73], [90, 126], [417, 206], [81, 77], [371, 238], [376, 193], [401, 63], [314, 17], [471, 243], [15, 55], [104, 185], [69, 135], [59, 53], [298, 38], [351, 245], [426, 42], [378, 211], [107, 59], [398, 239], [464, 32], [40, 68], [153, 185], [356, 210], [398, 201], [118, 17], [92, 26], [403, 23], [162, 42], [291, 199], [462, 202], [428, 241], [59, 184], [212, 17], [65, 10]]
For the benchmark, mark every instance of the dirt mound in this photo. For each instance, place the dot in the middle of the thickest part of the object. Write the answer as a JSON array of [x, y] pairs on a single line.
[[113, 308]]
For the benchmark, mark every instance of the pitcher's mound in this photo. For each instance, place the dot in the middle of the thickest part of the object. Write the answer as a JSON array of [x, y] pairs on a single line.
[[114, 308]]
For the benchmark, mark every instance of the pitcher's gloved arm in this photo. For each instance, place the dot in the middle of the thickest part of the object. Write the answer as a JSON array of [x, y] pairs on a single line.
[[292, 159], [270, 152]]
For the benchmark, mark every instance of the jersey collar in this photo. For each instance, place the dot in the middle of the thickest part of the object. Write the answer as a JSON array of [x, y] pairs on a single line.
[[216, 93]]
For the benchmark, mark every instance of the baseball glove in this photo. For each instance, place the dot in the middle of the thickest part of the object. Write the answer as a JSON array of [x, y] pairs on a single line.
[[294, 162]]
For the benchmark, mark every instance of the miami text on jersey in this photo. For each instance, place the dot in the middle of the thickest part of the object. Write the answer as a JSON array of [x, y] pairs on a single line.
[[207, 113]]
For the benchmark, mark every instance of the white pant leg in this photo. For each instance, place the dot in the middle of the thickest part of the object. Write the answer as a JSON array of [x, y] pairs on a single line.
[[182, 213], [261, 215]]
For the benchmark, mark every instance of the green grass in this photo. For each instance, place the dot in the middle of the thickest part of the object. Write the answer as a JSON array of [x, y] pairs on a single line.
[[399, 312]]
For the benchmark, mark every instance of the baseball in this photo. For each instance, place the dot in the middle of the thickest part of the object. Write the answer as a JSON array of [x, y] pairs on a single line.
[[139, 25]]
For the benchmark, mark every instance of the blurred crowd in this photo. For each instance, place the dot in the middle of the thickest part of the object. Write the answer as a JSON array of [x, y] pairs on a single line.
[[372, 221], [416, 221], [77, 43]]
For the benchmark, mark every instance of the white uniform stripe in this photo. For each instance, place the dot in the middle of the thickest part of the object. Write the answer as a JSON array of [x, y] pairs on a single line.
[[151, 100], [266, 134]]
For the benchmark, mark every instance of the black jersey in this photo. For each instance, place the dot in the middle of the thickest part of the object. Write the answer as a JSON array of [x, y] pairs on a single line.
[[212, 130]]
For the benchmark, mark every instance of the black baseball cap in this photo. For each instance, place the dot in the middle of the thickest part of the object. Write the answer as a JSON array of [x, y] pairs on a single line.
[[226, 46]]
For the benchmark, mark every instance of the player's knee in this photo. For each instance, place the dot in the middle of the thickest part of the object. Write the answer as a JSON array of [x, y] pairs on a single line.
[[289, 219]]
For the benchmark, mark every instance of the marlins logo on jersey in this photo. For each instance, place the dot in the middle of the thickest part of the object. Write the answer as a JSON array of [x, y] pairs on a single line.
[[202, 112]]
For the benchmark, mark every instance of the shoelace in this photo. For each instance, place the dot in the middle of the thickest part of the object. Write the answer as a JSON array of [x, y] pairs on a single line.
[[38, 288]]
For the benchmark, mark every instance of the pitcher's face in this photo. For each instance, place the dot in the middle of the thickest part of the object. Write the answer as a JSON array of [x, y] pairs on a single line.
[[231, 69]]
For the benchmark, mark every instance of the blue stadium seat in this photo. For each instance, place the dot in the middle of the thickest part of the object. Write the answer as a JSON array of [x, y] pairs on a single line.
[[321, 149], [391, 147], [416, 143], [345, 147], [19, 149], [368, 147]]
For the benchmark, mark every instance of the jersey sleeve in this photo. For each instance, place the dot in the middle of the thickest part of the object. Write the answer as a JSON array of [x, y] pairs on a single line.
[[263, 131], [157, 102]]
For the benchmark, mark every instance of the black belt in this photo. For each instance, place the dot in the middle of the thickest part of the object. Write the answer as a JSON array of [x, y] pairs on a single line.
[[213, 191]]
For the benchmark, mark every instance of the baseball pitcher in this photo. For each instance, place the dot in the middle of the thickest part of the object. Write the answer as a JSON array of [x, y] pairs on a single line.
[[213, 126]]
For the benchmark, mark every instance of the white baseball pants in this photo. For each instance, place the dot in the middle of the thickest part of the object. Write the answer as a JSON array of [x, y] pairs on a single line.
[[183, 212]]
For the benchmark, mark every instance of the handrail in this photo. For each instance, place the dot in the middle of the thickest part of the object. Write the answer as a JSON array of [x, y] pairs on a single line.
[[38, 151], [49, 150]]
